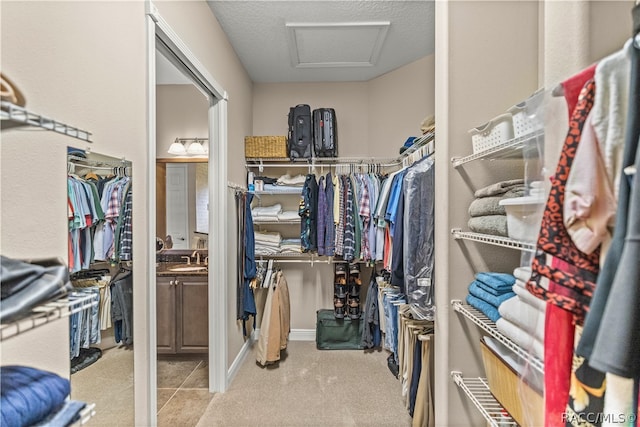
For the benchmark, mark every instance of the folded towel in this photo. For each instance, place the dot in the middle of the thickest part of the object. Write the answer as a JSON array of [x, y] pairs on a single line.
[[521, 338], [265, 218], [526, 296], [499, 188], [490, 311], [291, 180], [522, 273], [285, 189], [499, 281], [489, 224], [63, 416], [490, 205], [492, 290], [524, 316], [29, 395], [288, 215], [267, 210], [494, 300], [267, 237]]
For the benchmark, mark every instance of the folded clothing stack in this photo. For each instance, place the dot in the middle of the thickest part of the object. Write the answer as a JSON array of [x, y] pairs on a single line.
[[522, 317], [291, 246], [30, 396], [487, 216], [267, 243], [266, 213], [488, 291]]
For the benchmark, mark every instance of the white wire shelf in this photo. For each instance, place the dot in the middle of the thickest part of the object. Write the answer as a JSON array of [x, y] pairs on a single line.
[[85, 415], [418, 143], [486, 324], [276, 222], [274, 192], [477, 390], [16, 114], [48, 312], [511, 149], [504, 242]]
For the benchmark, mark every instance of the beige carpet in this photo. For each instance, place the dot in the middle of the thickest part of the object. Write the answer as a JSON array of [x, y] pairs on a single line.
[[310, 387]]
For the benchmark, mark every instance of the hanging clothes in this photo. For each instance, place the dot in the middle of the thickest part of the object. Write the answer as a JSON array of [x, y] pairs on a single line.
[[245, 303], [308, 212], [276, 320]]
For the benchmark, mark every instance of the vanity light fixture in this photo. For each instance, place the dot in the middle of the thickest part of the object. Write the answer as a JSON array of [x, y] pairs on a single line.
[[196, 148], [177, 148]]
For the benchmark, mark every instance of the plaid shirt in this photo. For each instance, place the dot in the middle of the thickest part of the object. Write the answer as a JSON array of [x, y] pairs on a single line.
[[349, 228], [322, 216], [365, 213], [340, 219]]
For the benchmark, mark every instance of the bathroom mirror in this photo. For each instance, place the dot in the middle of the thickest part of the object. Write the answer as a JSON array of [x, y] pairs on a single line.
[[100, 201], [182, 203]]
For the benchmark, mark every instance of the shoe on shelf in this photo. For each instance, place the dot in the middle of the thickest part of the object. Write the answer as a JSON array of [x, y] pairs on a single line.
[[354, 268], [340, 269], [340, 291], [338, 308]]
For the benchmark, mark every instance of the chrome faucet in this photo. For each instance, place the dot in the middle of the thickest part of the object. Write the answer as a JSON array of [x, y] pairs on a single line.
[[197, 255]]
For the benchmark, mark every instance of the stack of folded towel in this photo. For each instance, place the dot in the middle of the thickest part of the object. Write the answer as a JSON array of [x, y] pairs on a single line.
[[291, 246], [266, 213], [488, 291], [273, 213], [522, 317], [487, 216], [267, 243]]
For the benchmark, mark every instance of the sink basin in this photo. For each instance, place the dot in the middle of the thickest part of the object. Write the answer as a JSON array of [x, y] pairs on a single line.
[[189, 268]]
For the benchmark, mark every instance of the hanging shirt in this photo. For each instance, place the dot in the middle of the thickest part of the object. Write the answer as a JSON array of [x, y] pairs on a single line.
[[322, 216], [329, 239]]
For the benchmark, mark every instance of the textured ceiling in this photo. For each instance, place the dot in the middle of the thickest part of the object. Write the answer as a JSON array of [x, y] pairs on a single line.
[[271, 52]]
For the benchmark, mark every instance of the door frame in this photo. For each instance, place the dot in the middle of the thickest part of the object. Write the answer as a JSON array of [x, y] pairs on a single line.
[[157, 27]]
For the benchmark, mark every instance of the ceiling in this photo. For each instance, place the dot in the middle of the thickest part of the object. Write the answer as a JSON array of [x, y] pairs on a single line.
[[310, 41]]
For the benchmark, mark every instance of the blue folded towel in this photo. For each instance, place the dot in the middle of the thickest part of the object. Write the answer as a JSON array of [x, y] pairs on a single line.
[[490, 311], [494, 300], [28, 395], [67, 415], [491, 290], [499, 281]]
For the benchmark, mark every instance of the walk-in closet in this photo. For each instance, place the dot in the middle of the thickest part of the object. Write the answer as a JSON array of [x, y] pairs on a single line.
[[324, 213]]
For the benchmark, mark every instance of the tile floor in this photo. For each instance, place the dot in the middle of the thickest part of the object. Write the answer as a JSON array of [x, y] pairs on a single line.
[[183, 393]]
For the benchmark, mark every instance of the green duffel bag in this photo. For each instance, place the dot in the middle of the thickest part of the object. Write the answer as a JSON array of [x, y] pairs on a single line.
[[338, 334]]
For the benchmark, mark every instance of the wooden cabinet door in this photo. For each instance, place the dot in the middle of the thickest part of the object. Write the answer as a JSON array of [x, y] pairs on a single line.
[[193, 315], [166, 314]]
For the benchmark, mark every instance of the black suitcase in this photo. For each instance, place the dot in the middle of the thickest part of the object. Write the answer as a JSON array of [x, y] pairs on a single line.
[[338, 334], [299, 141], [325, 132]]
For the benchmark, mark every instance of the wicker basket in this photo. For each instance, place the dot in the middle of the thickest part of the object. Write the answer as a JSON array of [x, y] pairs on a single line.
[[523, 402], [269, 147]]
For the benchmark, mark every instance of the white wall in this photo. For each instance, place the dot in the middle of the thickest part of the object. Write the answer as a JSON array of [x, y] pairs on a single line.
[[72, 66]]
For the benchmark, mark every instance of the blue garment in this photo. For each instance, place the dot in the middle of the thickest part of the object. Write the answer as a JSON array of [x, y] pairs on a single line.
[[249, 303], [322, 216], [308, 212], [392, 205], [64, 416], [28, 395], [415, 375], [397, 256], [489, 310], [330, 227]]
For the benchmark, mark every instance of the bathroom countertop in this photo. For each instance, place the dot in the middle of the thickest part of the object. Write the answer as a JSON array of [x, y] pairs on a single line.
[[163, 269]]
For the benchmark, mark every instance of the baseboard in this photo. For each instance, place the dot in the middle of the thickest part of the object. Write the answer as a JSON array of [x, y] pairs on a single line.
[[242, 354], [294, 335], [302, 335]]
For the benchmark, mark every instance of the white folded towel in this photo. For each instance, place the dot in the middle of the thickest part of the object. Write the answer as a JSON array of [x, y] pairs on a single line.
[[288, 215], [522, 273], [520, 337], [266, 210], [291, 180], [526, 296], [524, 316]]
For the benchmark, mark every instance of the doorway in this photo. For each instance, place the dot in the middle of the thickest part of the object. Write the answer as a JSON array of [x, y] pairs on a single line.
[[162, 40]]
